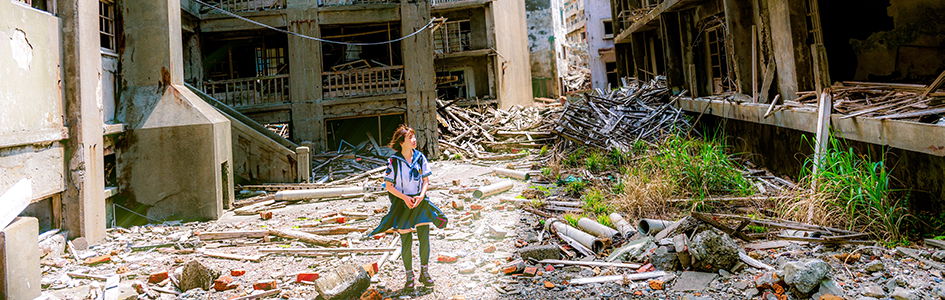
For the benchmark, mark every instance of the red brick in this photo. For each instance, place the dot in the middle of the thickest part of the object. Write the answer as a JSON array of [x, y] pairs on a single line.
[[306, 277], [97, 260], [549, 268], [237, 272], [646, 268], [530, 271], [265, 215], [489, 249], [371, 294], [265, 285], [445, 259], [549, 285], [656, 284], [157, 277], [340, 220], [475, 207], [223, 283], [371, 268]]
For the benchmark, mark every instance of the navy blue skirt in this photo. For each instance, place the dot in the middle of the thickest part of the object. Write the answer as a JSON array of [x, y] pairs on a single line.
[[401, 217]]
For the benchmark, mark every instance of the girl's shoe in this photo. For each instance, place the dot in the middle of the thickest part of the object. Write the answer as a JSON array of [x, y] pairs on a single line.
[[409, 284], [425, 278]]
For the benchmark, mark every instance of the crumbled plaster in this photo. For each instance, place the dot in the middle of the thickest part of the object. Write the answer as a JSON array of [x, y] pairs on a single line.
[[21, 49]]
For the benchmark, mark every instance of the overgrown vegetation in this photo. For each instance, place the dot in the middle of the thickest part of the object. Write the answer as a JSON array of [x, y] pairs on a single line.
[[852, 191]]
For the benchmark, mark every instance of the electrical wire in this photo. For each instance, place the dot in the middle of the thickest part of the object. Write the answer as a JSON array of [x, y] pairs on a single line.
[[225, 12]]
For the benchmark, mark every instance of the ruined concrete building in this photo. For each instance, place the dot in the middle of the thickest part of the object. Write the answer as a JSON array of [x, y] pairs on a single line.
[[589, 46], [545, 42], [738, 56], [121, 112]]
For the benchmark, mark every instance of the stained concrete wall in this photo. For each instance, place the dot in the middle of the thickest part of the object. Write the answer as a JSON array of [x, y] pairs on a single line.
[[513, 71], [912, 51], [31, 104], [477, 72], [544, 32]]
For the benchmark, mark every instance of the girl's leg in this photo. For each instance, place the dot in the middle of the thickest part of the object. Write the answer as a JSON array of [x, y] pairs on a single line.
[[406, 253], [423, 232]]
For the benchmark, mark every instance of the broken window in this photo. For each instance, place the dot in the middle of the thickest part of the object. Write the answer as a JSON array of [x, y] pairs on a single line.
[[453, 36], [247, 68], [613, 79], [452, 85], [352, 132], [271, 61], [608, 29], [362, 70], [44, 5], [106, 25], [718, 62]]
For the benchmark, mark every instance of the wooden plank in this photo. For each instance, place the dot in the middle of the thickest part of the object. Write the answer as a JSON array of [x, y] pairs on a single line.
[[329, 250], [926, 112], [253, 258], [935, 85], [305, 237], [224, 235], [612, 278], [936, 243], [589, 263]]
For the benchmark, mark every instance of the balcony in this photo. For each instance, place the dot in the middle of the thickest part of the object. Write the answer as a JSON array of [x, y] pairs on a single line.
[[441, 5], [330, 3], [251, 92], [452, 37], [363, 82], [248, 5]]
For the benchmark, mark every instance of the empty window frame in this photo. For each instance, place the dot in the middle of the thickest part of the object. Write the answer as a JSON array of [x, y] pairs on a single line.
[[271, 61], [608, 29], [452, 85], [453, 36], [106, 25], [717, 59]]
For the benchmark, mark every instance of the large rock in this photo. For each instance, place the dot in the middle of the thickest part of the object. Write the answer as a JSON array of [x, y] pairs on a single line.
[[635, 251], [903, 294], [197, 276], [540, 252], [346, 282], [805, 276], [665, 259], [712, 251], [688, 225]]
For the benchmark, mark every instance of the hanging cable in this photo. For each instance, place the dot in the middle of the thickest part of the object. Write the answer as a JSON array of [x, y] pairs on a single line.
[[225, 12]]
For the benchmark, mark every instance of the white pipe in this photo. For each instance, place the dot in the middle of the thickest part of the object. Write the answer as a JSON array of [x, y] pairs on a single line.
[[597, 229], [626, 230], [520, 175], [652, 226], [493, 189], [291, 195]]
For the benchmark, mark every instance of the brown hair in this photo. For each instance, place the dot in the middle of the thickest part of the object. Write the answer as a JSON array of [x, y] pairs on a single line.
[[400, 134]]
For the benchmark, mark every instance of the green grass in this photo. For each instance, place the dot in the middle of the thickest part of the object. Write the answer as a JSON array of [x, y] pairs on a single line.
[[860, 189], [572, 219], [574, 159], [604, 220], [595, 162], [700, 167], [543, 151], [546, 172], [595, 203], [576, 187]]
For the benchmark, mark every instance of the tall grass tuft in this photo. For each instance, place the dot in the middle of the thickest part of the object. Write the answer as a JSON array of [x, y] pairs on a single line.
[[700, 167], [858, 190]]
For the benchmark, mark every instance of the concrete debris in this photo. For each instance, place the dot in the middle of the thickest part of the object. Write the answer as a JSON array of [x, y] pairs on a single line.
[[665, 259], [196, 275], [694, 281], [346, 282], [874, 266], [636, 250], [542, 252], [712, 251], [805, 276]]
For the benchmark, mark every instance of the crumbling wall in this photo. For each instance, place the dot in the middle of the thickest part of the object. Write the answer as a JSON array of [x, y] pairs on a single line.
[[513, 63], [541, 37], [911, 51], [31, 115]]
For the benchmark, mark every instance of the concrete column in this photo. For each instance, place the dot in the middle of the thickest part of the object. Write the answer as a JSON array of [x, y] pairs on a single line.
[[738, 21], [305, 75], [638, 47], [419, 74], [791, 52], [19, 260], [178, 157], [673, 58], [83, 202], [303, 160]]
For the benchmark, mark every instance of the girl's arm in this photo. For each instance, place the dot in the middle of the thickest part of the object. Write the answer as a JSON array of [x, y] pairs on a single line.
[[423, 192], [407, 200]]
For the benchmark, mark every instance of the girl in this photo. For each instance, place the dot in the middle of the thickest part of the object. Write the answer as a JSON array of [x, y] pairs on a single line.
[[406, 181]]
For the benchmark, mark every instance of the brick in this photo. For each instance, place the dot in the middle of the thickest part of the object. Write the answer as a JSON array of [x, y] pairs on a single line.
[[97, 260], [237, 272], [371, 294], [457, 204], [311, 277], [140, 287], [475, 207], [341, 220], [445, 259], [157, 277], [530, 271], [371, 268], [549, 268], [489, 249], [646, 268], [223, 283], [265, 285], [549, 285], [656, 284], [265, 215], [513, 267]]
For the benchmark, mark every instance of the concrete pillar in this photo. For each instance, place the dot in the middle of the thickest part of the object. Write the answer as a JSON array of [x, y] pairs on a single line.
[[738, 21], [19, 260], [791, 52], [178, 157], [419, 74], [673, 58], [638, 47], [83, 202], [305, 75], [303, 160]]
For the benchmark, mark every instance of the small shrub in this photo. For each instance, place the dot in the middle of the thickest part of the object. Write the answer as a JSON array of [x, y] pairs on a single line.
[[573, 159], [594, 202], [546, 172], [618, 157], [618, 187], [572, 219], [543, 151], [575, 187], [604, 219], [595, 162]]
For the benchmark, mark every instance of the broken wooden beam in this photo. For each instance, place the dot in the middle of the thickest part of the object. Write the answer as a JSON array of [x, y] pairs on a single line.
[[295, 195], [306, 237], [252, 258], [589, 263], [622, 278], [225, 235]]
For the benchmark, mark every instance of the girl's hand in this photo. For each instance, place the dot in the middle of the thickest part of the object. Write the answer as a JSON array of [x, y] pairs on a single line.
[[408, 201], [417, 200]]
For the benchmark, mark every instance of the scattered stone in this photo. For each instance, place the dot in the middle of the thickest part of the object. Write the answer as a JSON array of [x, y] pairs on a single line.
[[847, 257], [223, 283], [805, 275], [489, 249], [467, 268], [537, 253], [873, 290], [157, 277], [712, 251], [549, 285], [874, 266], [693, 281], [497, 232], [197, 276], [903, 294], [633, 251], [828, 289], [345, 283], [939, 255], [664, 259]]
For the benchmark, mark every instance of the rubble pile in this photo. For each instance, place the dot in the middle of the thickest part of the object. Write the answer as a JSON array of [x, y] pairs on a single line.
[[620, 118], [351, 160], [877, 100], [479, 133]]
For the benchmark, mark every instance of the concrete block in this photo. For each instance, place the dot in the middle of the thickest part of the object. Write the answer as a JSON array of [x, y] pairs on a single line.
[[19, 259]]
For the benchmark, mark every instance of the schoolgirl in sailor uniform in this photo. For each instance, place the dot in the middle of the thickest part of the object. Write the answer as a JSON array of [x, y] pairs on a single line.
[[406, 181]]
